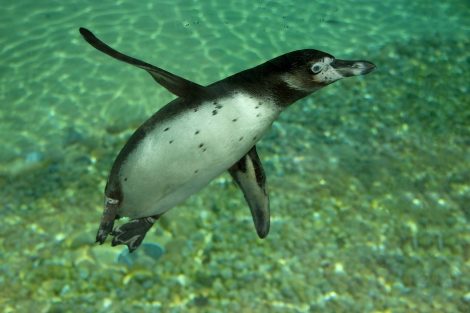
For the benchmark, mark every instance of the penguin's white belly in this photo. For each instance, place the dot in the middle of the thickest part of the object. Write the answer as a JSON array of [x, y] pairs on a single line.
[[183, 154]]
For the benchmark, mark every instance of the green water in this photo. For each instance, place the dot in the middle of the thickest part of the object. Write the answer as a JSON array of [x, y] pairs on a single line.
[[369, 178]]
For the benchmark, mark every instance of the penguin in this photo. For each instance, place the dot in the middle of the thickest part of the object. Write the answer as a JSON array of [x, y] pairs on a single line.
[[204, 132]]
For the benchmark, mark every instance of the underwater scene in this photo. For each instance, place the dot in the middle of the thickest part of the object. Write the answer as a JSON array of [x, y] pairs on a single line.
[[368, 178]]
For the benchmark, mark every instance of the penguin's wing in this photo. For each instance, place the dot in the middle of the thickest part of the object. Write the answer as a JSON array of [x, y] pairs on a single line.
[[175, 84], [249, 175]]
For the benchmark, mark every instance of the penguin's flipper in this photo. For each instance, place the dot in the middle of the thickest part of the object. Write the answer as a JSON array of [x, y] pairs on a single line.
[[133, 233], [173, 83], [249, 175]]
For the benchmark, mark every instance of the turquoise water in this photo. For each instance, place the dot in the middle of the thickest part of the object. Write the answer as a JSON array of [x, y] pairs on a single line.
[[369, 178]]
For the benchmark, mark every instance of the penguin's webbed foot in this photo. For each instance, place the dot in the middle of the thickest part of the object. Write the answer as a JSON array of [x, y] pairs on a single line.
[[103, 231], [107, 220], [132, 233]]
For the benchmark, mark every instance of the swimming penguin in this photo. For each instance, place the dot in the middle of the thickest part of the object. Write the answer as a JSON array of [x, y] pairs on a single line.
[[205, 131]]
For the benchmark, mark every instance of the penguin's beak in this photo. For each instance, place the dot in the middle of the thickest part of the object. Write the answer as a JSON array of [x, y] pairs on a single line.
[[352, 68]]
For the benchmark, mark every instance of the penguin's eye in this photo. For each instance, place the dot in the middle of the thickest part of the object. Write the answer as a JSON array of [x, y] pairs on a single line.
[[316, 67]]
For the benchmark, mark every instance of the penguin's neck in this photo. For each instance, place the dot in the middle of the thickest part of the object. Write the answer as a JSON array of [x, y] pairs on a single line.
[[286, 95], [268, 84]]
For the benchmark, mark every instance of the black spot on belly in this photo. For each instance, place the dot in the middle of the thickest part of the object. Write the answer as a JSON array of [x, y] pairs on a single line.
[[125, 178], [214, 112], [201, 145], [166, 129], [258, 115], [240, 139], [196, 132], [170, 142], [235, 119], [196, 171], [254, 138], [204, 150]]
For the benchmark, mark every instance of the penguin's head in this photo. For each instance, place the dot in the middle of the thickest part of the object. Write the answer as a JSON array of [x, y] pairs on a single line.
[[309, 70]]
